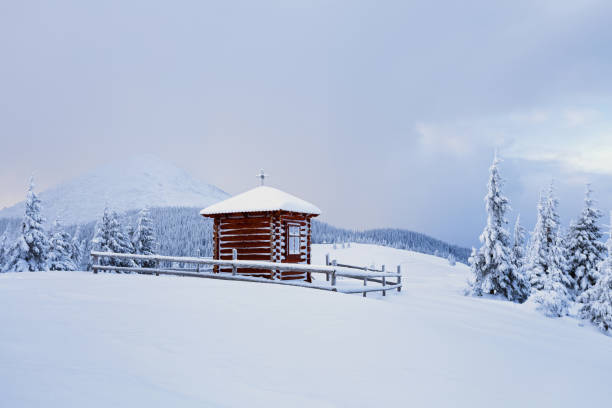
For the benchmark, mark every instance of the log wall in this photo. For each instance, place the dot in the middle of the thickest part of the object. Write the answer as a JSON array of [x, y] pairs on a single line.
[[261, 237]]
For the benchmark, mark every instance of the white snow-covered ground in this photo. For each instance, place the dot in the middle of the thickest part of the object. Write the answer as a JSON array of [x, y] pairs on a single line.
[[73, 339]]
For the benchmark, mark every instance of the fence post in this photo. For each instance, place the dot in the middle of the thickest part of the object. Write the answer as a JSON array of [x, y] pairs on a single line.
[[327, 264], [94, 261], [234, 258], [333, 281], [399, 278], [365, 283], [384, 281], [157, 266]]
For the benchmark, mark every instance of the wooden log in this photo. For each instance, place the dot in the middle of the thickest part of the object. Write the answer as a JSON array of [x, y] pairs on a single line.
[[245, 223], [244, 251], [246, 237], [384, 281], [224, 263], [365, 283], [333, 278], [250, 257], [250, 244], [242, 231], [234, 257], [399, 278]]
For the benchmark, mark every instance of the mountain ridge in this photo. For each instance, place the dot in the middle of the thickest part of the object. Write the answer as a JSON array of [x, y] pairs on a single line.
[[132, 183]]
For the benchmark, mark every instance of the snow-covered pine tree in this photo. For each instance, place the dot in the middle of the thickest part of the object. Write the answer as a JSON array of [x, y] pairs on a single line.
[[597, 300], [554, 298], [29, 252], [77, 247], [518, 245], [130, 233], [451, 260], [109, 237], [584, 249], [145, 241], [492, 266], [543, 239], [3, 239], [60, 257]]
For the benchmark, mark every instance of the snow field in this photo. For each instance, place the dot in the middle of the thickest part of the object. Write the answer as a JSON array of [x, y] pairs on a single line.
[[78, 339]]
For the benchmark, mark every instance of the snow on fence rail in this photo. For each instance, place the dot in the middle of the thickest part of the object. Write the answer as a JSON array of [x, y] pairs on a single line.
[[332, 271]]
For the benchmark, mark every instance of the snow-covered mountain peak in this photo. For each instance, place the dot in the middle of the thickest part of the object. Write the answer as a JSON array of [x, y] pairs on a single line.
[[131, 183]]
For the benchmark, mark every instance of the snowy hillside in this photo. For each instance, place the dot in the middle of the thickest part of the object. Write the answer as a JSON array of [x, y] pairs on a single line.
[[133, 183], [78, 339]]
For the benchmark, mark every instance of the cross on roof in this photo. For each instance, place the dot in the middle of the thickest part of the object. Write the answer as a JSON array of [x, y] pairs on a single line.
[[262, 176]]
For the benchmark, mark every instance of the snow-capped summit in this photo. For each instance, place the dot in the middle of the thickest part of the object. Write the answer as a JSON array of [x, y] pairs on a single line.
[[132, 183]]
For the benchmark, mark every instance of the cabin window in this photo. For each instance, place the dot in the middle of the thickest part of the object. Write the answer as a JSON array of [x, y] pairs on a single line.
[[294, 239]]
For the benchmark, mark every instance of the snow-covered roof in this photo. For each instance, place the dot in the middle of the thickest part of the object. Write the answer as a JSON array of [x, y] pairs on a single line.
[[262, 198]]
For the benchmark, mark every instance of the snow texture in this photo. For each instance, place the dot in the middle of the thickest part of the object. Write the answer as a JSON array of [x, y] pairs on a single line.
[[133, 182], [262, 198], [114, 340]]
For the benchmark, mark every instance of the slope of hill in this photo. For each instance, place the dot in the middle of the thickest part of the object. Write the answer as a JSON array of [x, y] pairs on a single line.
[[132, 183], [78, 339]]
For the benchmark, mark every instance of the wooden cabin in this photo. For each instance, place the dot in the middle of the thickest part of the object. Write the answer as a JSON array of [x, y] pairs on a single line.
[[263, 224]]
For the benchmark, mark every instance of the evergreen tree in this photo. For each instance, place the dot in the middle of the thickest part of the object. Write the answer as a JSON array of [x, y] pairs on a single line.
[[145, 241], [130, 233], [584, 250], [597, 300], [492, 266], [3, 239], [544, 238], [553, 297], [109, 237], [77, 248], [29, 252], [60, 257], [518, 246]]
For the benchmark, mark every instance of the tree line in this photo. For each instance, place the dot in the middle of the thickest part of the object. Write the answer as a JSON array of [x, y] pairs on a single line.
[[554, 268], [32, 248]]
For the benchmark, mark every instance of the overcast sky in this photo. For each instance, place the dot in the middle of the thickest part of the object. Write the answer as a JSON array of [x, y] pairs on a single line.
[[384, 114]]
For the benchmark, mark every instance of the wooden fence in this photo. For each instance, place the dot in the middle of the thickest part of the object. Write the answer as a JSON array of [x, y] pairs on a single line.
[[201, 268]]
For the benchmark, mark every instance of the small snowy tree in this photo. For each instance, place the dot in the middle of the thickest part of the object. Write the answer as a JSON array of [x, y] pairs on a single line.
[[451, 260], [518, 245], [60, 257], [597, 300], [554, 298], [543, 240], [109, 237], [492, 266], [584, 249], [29, 252], [77, 247], [3, 239], [145, 242]]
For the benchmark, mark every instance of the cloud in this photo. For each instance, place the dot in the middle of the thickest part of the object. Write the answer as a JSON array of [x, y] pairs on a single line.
[[578, 139]]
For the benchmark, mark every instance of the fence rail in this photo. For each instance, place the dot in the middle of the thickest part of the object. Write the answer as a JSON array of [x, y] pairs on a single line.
[[332, 270]]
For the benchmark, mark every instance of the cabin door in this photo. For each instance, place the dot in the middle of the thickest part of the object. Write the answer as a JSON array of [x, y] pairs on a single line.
[[293, 239]]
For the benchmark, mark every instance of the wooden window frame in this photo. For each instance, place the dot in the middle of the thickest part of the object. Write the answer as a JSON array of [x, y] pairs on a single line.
[[288, 236]]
